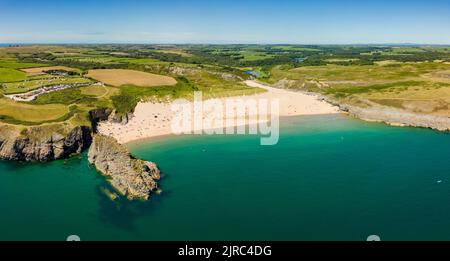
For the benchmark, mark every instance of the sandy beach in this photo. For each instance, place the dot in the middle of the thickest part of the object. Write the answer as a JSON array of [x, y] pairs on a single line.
[[154, 119]]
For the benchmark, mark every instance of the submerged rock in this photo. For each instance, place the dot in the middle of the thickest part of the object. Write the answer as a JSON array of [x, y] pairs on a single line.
[[133, 178]]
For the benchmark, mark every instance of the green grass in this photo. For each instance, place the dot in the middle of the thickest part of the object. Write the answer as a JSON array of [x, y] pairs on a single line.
[[67, 96], [138, 61], [11, 75], [130, 95], [82, 96], [295, 48], [97, 91], [73, 110], [359, 74], [13, 64], [399, 86], [254, 56], [27, 114], [107, 59], [210, 85]]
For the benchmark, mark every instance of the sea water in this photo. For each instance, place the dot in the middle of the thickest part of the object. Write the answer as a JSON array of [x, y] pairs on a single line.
[[329, 178]]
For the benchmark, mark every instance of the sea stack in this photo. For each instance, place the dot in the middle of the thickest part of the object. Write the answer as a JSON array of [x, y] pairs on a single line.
[[133, 178]]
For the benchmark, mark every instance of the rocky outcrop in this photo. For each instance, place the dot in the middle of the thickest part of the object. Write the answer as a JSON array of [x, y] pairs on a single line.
[[122, 119], [99, 115], [42, 143], [182, 71], [372, 112], [398, 117], [133, 178]]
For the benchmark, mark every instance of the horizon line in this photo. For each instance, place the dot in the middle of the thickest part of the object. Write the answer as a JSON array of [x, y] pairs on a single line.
[[206, 43]]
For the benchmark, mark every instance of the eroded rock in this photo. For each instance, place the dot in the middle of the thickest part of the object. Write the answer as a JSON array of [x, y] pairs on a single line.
[[42, 143], [133, 178]]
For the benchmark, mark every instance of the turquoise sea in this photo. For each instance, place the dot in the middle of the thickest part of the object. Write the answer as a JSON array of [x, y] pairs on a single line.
[[329, 178]]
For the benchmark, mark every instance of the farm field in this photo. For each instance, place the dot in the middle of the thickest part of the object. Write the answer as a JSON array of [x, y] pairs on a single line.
[[14, 64], [118, 77], [41, 70], [11, 75]]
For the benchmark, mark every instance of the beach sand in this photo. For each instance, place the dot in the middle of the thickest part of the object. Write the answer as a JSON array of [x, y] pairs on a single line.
[[153, 119]]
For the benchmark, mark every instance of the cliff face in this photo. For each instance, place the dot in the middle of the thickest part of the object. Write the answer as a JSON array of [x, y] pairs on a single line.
[[99, 115], [133, 178], [42, 143]]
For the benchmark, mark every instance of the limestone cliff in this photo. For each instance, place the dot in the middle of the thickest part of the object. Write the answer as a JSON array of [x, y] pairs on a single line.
[[99, 115], [398, 117], [42, 143], [369, 111], [133, 178]]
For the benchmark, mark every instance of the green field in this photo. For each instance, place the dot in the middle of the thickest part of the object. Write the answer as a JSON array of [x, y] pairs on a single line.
[[28, 113], [11, 75], [14, 64]]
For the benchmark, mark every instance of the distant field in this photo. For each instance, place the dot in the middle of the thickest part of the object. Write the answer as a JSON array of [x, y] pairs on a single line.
[[107, 59], [31, 49], [174, 51], [11, 75], [31, 113], [39, 70], [138, 60], [439, 76], [14, 64], [295, 48], [255, 56], [118, 77], [340, 60], [345, 76]]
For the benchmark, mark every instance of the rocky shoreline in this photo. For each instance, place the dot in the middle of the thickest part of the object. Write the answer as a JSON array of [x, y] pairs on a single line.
[[130, 177], [384, 114], [401, 118], [34, 145], [137, 179], [395, 117]]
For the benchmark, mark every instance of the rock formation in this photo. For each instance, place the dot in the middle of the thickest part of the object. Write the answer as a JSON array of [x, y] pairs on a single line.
[[42, 143], [133, 178], [98, 115]]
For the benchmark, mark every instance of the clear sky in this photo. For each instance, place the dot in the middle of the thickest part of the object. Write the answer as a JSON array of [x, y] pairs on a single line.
[[220, 21]]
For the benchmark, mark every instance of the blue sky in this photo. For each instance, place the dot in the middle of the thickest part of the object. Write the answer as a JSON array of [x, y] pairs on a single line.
[[217, 21]]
